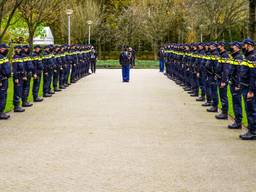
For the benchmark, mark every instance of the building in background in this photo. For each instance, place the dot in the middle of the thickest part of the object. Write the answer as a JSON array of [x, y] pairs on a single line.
[[47, 39]]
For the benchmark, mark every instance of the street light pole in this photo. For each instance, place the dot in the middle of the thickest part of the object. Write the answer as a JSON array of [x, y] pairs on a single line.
[[89, 22], [69, 13]]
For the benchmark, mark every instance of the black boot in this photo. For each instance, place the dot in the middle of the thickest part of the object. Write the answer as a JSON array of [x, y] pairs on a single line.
[[194, 95], [47, 95], [222, 116], [57, 90], [18, 109], [27, 104], [190, 92], [248, 136], [38, 99], [51, 92], [200, 99], [207, 104], [4, 116], [213, 110], [235, 125]]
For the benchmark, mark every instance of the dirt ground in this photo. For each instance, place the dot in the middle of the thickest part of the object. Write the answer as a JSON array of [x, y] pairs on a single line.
[[101, 135]]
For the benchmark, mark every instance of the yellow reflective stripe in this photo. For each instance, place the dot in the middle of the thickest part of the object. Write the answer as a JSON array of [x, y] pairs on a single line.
[[5, 60]]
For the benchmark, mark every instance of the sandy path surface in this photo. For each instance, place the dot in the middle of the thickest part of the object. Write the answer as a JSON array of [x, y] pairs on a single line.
[[101, 135]]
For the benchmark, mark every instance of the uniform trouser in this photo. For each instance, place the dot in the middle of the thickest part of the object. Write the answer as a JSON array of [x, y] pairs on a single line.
[[202, 82], [161, 65], [224, 98], [208, 89], [36, 85], [93, 66], [26, 89], [62, 77], [126, 72], [66, 75], [17, 92], [3, 94], [250, 108], [195, 85], [47, 83], [237, 103], [55, 78], [73, 73], [50, 80], [214, 91]]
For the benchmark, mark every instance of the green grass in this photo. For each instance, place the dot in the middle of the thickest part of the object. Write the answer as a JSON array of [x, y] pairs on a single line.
[[140, 64]]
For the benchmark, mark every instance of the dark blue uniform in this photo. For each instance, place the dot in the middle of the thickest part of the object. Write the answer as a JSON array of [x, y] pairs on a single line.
[[125, 63]]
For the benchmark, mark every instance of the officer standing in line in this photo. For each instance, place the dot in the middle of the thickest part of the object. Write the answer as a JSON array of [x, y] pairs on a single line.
[[29, 68], [19, 72], [235, 85], [5, 73], [248, 87], [212, 78], [161, 56], [93, 59], [56, 68], [207, 76], [124, 60], [63, 68], [47, 63], [222, 74], [37, 74]]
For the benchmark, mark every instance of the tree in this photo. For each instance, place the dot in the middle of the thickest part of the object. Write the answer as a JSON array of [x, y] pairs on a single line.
[[7, 11], [38, 12], [252, 18]]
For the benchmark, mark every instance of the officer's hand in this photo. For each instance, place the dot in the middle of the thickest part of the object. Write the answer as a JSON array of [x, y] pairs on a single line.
[[237, 88], [198, 75], [55, 71], [250, 95], [17, 81], [222, 85], [25, 78], [1, 84], [46, 74], [35, 76]]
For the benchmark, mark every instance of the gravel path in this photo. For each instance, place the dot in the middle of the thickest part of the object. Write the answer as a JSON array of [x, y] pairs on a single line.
[[101, 135]]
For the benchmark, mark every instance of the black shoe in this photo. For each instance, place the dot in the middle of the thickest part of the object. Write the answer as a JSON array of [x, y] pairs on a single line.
[[213, 110], [57, 90], [222, 116], [18, 109], [51, 92], [62, 87], [47, 95], [4, 116], [27, 104], [73, 81], [248, 136], [190, 92], [38, 99], [207, 104], [200, 99], [194, 95], [235, 125]]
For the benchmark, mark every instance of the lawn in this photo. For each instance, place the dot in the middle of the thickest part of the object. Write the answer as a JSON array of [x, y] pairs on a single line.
[[114, 64]]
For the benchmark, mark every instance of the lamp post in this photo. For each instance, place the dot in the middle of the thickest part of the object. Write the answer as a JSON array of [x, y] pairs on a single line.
[[89, 22], [201, 32], [69, 12]]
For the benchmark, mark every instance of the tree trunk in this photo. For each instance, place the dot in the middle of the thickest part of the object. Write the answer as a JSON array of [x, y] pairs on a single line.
[[252, 18], [31, 36]]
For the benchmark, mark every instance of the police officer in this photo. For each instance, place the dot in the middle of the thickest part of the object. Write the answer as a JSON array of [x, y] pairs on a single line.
[[222, 74], [5, 73], [235, 86], [161, 57], [56, 67], [19, 74], [211, 66], [29, 68], [37, 74], [47, 64], [248, 87], [93, 59], [124, 60]]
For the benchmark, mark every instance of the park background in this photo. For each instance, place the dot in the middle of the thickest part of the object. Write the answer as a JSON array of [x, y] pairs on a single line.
[[144, 25]]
